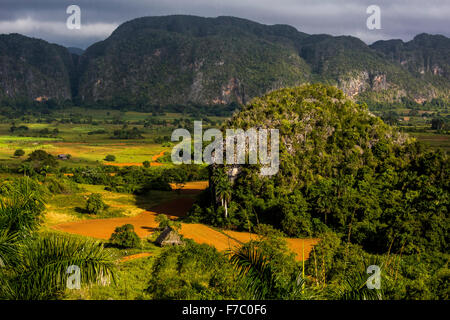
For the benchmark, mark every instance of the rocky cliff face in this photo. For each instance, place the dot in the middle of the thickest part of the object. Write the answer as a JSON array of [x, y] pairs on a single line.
[[177, 60], [214, 61], [34, 69], [363, 81], [424, 55], [185, 59]]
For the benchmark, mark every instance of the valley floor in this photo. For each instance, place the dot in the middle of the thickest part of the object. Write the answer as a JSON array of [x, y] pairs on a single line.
[[145, 224]]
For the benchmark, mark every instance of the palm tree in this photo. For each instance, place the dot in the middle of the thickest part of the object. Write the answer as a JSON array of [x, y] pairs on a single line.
[[44, 261], [223, 191], [44, 170], [21, 206], [9, 248], [354, 287], [222, 188], [261, 280], [34, 266], [26, 168], [254, 269]]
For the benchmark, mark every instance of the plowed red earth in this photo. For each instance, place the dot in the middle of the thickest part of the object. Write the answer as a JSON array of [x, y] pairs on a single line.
[[145, 224]]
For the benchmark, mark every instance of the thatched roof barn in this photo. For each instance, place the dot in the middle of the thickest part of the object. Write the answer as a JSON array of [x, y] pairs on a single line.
[[169, 237]]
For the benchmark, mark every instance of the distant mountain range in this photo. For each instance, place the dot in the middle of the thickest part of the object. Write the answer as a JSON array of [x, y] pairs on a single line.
[[76, 51], [209, 61]]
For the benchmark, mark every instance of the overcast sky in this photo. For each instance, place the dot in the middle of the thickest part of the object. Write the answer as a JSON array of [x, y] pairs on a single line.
[[400, 19]]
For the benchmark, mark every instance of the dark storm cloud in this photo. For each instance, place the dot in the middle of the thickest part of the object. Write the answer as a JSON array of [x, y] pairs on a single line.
[[401, 19]]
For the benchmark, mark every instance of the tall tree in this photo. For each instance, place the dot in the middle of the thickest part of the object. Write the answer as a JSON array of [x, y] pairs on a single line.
[[222, 188]]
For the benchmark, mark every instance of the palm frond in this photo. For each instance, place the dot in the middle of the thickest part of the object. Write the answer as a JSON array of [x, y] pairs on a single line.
[[355, 285], [42, 273], [9, 248], [254, 268], [21, 206]]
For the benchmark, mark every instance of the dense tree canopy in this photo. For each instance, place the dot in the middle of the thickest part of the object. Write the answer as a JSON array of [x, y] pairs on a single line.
[[341, 168], [345, 173]]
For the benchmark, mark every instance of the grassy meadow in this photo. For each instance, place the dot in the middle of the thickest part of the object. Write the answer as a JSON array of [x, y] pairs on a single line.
[[85, 149]]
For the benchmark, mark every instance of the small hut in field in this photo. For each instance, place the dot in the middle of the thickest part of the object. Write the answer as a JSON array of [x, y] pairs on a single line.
[[169, 237], [63, 156]]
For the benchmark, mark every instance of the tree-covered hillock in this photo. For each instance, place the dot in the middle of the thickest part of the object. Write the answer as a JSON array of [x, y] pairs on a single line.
[[343, 170]]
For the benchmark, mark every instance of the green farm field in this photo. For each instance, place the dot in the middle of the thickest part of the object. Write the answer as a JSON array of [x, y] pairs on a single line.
[[88, 143], [434, 140]]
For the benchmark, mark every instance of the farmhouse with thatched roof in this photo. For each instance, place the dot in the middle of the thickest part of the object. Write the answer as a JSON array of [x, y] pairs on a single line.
[[169, 237]]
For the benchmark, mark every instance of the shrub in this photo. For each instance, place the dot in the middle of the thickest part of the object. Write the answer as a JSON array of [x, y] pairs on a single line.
[[166, 158], [110, 157], [61, 185], [164, 222], [19, 153], [39, 155], [146, 164], [194, 271], [95, 203], [125, 237], [42, 161], [155, 184]]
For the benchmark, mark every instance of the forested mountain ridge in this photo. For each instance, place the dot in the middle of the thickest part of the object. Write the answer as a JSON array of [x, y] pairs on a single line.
[[34, 69], [213, 61]]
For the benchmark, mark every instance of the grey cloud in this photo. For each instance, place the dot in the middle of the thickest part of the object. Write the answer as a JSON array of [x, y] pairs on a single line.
[[401, 19]]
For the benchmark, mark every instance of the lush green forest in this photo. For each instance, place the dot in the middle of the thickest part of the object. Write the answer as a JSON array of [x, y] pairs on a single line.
[[364, 188]]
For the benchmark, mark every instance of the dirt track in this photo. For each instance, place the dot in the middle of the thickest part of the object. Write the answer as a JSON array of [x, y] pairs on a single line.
[[145, 224], [136, 256], [131, 164]]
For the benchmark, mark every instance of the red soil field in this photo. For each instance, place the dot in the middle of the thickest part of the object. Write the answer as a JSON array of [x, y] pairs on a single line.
[[145, 224]]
